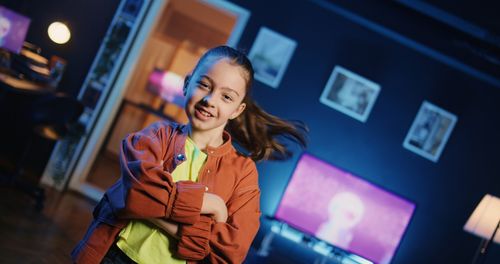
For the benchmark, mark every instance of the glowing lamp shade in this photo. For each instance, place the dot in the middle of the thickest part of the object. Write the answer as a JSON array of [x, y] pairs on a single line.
[[59, 32], [168, 85], [485, 219]]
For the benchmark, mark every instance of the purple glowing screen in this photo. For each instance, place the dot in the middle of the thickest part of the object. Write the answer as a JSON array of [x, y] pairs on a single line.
[[13, 29], [344, 210]]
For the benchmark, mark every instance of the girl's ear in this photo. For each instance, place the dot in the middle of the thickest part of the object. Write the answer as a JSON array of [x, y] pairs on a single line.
[[238, 111], [186, 83]]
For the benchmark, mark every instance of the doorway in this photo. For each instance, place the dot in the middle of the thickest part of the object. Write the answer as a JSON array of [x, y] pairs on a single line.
[[181, 32]]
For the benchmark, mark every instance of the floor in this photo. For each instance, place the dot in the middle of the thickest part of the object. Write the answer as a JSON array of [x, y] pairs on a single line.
[[48, 236], [28, 236]]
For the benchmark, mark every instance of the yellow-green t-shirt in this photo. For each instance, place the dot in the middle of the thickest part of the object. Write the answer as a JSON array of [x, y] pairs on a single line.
[[142, 241]]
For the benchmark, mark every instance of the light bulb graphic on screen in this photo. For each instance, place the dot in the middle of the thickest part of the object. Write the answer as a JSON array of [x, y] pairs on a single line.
[[345, 211]]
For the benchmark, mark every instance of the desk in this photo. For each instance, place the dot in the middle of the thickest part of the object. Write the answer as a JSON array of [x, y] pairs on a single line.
[[23, 86]]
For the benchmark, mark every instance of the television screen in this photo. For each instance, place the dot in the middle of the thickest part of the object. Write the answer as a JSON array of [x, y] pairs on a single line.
[[168, 85], [344, 210], [13, 29]]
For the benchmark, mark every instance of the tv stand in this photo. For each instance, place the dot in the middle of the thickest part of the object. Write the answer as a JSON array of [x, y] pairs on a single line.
[[282, 243]]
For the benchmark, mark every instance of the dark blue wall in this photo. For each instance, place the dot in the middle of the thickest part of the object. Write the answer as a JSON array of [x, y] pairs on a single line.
[[445, 192]]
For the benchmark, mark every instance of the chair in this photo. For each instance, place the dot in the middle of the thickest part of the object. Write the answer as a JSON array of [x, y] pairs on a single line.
[[51, 117]]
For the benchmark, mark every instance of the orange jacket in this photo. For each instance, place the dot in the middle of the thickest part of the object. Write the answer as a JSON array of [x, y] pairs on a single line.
[[146, 190]]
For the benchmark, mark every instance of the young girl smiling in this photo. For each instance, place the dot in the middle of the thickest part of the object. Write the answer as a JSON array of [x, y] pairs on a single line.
[[186, 194]]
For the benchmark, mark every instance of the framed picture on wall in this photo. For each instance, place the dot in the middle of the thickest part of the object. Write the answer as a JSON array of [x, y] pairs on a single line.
[[270, 54], [430, 131], [350, 93]]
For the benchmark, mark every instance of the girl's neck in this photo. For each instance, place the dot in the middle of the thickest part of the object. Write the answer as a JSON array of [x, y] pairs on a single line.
[[204, 139]]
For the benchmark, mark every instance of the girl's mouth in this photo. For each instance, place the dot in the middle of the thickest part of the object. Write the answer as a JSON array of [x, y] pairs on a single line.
[[202, 114]]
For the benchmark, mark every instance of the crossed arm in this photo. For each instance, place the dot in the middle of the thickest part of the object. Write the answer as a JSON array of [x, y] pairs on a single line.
[[212, 205], [184, 209]]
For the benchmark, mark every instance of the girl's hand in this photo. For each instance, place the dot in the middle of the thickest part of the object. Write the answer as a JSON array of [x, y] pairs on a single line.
[[170, 227], [214, 205]]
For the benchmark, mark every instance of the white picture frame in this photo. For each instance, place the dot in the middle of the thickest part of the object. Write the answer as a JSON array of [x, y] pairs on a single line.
[[430, 131], [350, 93], [270, 54]]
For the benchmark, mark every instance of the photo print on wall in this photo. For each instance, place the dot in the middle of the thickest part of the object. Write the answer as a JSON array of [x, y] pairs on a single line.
[[430, 131], [350, 93], [270, 54]]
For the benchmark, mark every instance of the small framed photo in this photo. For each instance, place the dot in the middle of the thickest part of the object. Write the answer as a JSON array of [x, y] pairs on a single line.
[[430, 131], [350, 93], [270, 54]]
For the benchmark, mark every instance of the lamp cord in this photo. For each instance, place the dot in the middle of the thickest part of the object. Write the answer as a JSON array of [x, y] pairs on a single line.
[[483, 247]]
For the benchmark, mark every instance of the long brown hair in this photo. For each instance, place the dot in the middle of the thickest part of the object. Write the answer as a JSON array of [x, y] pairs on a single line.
[[259, 132]]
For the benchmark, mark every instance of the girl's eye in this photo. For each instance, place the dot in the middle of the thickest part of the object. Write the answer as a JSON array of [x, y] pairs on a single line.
[[227, 98], [203, 85]]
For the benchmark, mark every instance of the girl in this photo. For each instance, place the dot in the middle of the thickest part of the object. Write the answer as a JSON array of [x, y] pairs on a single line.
[[186, 195]]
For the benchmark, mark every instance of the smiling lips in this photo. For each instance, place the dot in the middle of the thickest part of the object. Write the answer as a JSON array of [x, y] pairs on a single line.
[[202, 113]]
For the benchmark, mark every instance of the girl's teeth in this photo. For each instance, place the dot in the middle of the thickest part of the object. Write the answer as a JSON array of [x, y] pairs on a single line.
[[205, 113]]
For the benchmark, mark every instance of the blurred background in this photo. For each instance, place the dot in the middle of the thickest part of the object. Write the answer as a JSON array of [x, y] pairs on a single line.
[[400, 97]]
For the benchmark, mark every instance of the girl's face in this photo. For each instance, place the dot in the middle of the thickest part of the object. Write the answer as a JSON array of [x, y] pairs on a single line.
[[214, 95]]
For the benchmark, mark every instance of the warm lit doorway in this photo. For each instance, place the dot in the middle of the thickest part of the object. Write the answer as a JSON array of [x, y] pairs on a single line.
[[180, 32]]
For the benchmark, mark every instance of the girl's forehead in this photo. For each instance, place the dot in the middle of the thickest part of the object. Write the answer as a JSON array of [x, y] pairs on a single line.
[[211, 65], [208, 63], [223, 73]]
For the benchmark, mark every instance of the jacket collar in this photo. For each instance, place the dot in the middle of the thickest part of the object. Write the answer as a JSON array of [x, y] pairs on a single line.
[[221, 150]]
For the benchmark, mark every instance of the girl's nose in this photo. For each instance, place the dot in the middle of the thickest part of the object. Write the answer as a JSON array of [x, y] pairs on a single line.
[[208, 100]]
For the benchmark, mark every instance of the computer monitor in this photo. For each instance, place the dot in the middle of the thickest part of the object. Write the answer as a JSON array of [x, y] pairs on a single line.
[[13, 29], [345, 210]]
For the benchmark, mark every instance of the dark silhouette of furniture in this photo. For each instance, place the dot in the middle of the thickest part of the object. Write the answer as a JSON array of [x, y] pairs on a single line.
[[51, 116]]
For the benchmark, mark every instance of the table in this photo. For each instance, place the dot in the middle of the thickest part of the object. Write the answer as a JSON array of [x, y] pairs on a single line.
[[16, 85]]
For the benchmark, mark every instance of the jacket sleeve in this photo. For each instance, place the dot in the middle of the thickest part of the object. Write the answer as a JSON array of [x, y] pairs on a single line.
[[225, 242], [146, 189]]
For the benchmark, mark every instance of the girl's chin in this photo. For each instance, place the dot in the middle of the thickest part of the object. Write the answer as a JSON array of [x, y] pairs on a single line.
[[204, 126], [200, 124]]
